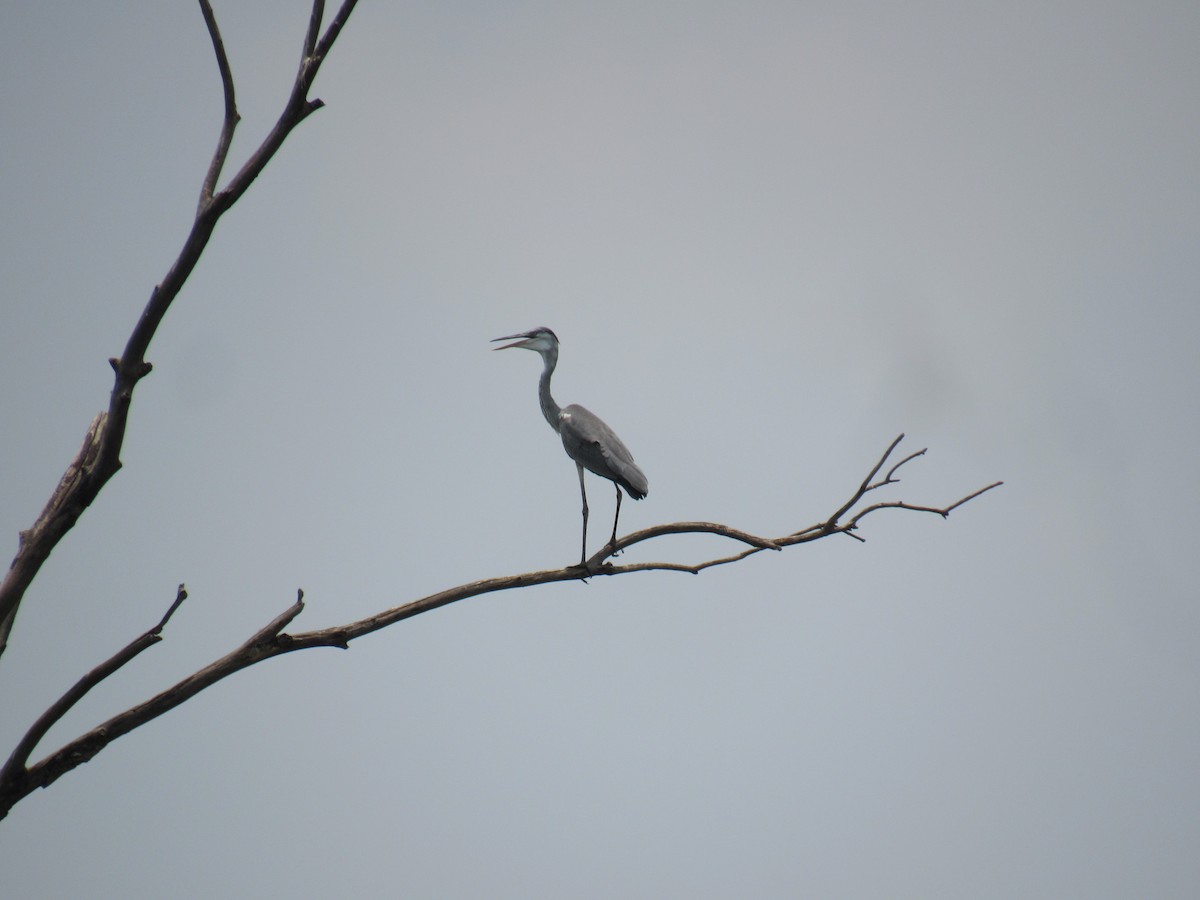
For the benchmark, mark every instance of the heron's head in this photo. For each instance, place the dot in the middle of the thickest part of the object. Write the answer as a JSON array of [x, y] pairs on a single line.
[[541, 340]]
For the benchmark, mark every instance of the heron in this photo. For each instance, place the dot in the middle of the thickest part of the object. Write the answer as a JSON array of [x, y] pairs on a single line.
[[588, 441]]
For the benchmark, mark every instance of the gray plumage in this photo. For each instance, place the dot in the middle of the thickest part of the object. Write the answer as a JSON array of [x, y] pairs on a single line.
[[592, 444]]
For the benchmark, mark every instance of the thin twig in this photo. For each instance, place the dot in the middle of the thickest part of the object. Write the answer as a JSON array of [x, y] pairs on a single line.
[[231, 114], [888, 479], [20, 755], [943, 511], [832, 521], [646, 534], [181, 594], [957, 503], [694, 568]]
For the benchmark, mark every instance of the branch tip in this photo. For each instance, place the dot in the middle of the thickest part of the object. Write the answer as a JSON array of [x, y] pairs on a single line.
[[972, 496], [181, 594]]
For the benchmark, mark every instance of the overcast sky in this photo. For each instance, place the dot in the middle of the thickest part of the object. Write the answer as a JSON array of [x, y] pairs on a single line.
[[771, 236]]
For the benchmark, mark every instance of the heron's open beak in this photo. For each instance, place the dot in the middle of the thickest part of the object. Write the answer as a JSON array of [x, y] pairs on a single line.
[[524, 336]]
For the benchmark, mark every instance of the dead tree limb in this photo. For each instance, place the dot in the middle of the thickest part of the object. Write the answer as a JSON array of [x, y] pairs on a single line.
[[18, 780], [100, 456]]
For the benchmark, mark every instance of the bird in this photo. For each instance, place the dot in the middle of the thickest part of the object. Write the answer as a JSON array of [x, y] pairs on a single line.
[[588, 441]]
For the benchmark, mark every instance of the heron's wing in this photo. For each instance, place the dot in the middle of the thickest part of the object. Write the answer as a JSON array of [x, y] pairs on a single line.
[[597, 448]]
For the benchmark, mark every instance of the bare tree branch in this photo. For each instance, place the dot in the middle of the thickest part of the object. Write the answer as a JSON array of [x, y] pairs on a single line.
[[100, 457], [17, 781]]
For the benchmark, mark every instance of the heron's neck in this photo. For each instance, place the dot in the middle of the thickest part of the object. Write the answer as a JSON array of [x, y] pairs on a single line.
[[550, 409]]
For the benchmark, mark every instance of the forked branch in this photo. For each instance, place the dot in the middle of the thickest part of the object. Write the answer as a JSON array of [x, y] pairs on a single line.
[[838, 523], [100, 456], [17, 779]]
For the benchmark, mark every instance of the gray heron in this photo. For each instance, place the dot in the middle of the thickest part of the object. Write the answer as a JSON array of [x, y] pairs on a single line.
[[592, 444]]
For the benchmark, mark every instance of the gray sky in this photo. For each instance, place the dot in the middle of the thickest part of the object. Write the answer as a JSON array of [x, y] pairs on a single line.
[[771, 236]]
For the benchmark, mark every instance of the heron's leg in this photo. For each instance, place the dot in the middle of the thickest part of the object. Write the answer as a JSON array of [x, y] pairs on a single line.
[[583, 493], [613, 540]]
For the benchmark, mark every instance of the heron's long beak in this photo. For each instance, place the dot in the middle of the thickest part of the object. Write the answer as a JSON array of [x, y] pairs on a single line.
[[521, 343]]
